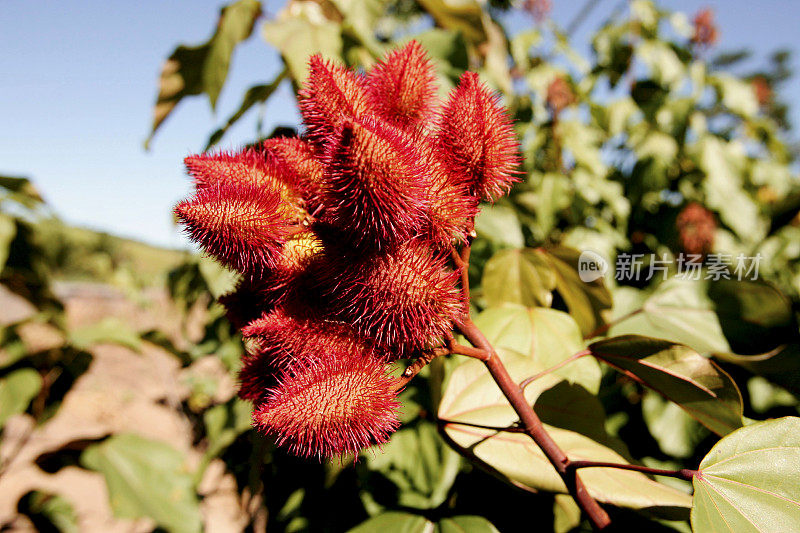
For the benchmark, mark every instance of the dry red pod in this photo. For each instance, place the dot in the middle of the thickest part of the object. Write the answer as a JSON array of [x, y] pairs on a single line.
[[476, 139], [374, 184], [330, 405], [332, 95], [402, 87]]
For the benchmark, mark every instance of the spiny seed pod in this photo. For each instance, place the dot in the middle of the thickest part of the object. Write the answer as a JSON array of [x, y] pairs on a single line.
[[289, 332], [452, 207], [293, 160], [374, 184], [476, 139], [331, 96], [696, 227], [254, 296], [286, 334], [244, 226], [402, 87], [330, 405], [244, 168], [403, 300]]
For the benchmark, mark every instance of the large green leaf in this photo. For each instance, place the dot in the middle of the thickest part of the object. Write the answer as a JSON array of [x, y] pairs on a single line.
[[146, 478], [499, 224], [518, 276], [585, 300], [110, 330], [300, 31], [748, 481], [420, 465], [17, 390], [472, 398], [679, 374], [679, 310], [8, 230], [254, 95], [193, 70], [548, 336], [397, 522], [717, 317]]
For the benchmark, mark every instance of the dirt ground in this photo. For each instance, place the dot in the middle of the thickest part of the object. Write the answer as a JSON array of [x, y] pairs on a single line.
[[122, 391]]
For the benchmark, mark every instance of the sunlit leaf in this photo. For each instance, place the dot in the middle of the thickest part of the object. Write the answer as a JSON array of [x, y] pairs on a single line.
[[680, 374], [17, 389], [146, 478], [300, 31], [193, 70], [472, 397], [747, 481], [520, 277], [548, 336]]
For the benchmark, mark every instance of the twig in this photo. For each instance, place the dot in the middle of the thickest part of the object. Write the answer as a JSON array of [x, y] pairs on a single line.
[[469, 351], [534, 428], [608, 325], [509, 429], [418, 364], [575, 357], [683, 473]]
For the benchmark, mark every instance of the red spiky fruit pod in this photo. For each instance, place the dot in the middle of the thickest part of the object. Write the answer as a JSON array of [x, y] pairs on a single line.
[[403, 300], [287, 333], [243, 225], [452, 206], [375, 186], [293, 160], [255, 296], [242, 168], [330, 405], [476, 139], [332, 95], [402, 87]]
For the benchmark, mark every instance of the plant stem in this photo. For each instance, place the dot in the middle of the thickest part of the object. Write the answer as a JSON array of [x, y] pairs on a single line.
[[575, 357], [684, 473], [605, 327], [534, 428]]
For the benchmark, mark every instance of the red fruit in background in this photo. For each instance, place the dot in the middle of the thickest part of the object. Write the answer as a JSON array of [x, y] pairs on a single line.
[[705, 31], [477, 140], [330, 405], [331, 96], [242, 225], [696, 227], [559, 95], [402, 87], [375, 185]]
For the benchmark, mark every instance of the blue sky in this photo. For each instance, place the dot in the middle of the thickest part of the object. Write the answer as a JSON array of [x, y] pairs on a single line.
[[79, 80]]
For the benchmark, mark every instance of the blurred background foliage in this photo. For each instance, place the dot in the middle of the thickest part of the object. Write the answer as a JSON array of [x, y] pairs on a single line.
[[654, 143]]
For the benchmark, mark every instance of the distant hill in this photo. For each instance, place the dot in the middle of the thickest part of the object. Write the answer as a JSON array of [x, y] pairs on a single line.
[[88, 255]]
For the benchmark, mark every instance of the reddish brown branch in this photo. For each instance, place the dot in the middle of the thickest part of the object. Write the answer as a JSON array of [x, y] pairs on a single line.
[[534, 428], [683, 473], [418, 364]]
